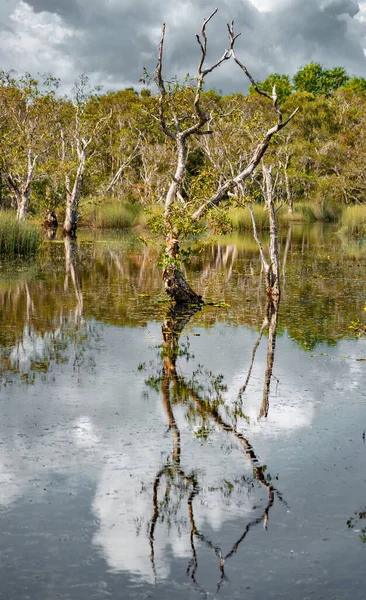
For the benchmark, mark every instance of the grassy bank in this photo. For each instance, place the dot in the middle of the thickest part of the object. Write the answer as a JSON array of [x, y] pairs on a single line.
[[304, 212], [353, 221], [17, 238], [115, 216]]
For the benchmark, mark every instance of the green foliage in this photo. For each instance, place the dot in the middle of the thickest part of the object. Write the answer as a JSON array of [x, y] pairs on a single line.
[[183, 225], [316, 80], [203, 183], [283, 86], [219, 220], [324, 147], [358, 327], [355, 85], [17, 238]]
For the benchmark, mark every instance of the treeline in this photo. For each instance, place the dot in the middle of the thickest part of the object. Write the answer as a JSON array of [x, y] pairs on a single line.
[[59, 155]]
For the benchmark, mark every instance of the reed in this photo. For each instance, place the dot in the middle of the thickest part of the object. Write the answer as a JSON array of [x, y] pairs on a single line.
[[353, 221], [241, 220], [117, 216], [18, 238], [309, 212]]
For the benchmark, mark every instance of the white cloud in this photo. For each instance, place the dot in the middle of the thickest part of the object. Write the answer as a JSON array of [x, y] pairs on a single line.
[[264, 5], [362, 14], [33, 42], [112, 41]]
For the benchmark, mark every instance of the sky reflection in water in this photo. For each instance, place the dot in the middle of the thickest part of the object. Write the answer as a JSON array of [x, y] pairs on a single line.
[[83, 439]]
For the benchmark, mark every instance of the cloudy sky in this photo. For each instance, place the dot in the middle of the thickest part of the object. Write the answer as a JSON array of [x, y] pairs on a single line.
[[112, 40]]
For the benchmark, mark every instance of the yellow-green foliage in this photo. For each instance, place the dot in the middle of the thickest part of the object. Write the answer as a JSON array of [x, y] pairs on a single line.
[[17, 238], [353, 221], [117, 216]]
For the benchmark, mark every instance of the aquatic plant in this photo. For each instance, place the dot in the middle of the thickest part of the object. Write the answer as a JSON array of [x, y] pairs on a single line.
[[18, 238], [241, 220], [353, 221], [117, 216]]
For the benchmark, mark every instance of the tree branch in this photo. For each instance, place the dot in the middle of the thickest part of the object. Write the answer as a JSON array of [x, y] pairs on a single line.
[[160, 82]]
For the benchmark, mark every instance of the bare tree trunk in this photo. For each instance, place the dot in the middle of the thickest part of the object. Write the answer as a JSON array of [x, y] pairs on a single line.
[[290, 200], [71, 268], [271, 267], [73, 196], [273, 274], [22, 204], [176, 285], [22, 190], [272, 316], [71, 214]]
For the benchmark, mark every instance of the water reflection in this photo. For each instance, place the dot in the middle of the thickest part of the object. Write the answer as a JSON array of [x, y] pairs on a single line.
[[168, 483], [205, 405], [35, 349], [323, 291], [72, 270], [269, 322]]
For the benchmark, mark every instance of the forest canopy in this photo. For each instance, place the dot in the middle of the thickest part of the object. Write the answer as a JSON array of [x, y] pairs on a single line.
[[113, 141]]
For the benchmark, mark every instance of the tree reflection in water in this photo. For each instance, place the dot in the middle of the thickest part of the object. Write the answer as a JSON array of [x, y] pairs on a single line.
[[72, 269], [207, 403], [65, 336]]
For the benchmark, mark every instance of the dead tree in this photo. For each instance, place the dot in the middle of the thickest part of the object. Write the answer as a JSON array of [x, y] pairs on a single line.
[[175, 283], [175, 388]]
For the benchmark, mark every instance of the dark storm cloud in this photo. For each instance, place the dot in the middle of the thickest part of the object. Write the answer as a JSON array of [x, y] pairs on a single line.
[[115, 39], [119, 38], [321, 32], [63, 8]]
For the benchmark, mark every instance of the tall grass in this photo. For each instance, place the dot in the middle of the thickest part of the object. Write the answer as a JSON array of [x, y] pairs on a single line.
[[17, 238], [241, 220], [353, 221], [304, 212], [117, 216]]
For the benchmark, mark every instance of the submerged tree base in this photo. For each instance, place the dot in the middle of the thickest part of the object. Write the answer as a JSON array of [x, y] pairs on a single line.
[[177, 287], [175, 283], [69, 232]]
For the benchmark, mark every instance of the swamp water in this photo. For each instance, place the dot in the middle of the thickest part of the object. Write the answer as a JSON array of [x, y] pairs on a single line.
[[134, 468]]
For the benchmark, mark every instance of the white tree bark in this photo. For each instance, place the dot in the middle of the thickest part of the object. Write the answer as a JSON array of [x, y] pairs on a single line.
[[272, 266], [22, 190], [173, 274], [73, 195]]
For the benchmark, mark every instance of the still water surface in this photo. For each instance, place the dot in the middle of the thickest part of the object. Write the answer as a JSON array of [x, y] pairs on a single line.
[[136, 460]]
